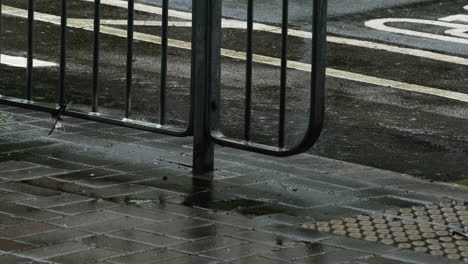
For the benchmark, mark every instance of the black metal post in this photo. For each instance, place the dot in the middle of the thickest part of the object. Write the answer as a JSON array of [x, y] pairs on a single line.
[[63, 52], [0, 31], [164, 43], [129, 76], [96, 36], [207, 25]]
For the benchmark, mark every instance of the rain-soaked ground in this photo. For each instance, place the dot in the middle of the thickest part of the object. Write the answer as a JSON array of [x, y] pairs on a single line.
[[373, 125]]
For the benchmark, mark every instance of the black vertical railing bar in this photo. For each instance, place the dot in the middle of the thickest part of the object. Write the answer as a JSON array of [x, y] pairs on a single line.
[[63, 52], [284, 73], [248, 71], [164, 40], [96, 38], [29, 66], [129, 76], [0, 31]]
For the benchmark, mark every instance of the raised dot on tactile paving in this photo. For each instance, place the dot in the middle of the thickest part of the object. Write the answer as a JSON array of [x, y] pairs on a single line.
[[408, 222], [423, 218], [446, 238], [353, 230], [409, 215], [382, 231], [379, 221], [434, 212], [450, 214], [405, 210], [324, 229], [394, 223], [387, 241], [401, 239], [447, 210], [367, 228], [379, 226], [363, 218], [453, 220], [339, 227], [437, 253], [397, 229], [464, 254], [427, 230], [339, 232], [350, 220], [440, 228], [412, 232], [369, 233], [365, 223], [415, 237], [448, 245], [418, 243], [435, 247], [410, 227], [404, 245], [336, 222], [321, 223], [352, 225], [371, 238], [432, 206], [442, 233], [428, 235], [355, 235], [463, 213], [399, 234], [420, 213], [451, 251], [453, 256], [463, 249], [432, 241], [462, 242], [421, 249], [448, 204], [438, 218]]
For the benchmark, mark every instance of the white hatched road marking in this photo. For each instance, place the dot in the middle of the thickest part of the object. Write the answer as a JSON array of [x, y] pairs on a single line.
[[86, 24]]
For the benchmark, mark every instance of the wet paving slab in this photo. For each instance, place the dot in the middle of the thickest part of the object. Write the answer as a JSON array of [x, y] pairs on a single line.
[[126, 203]]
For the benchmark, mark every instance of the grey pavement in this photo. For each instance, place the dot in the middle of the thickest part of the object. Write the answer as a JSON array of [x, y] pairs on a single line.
[[95, 193]]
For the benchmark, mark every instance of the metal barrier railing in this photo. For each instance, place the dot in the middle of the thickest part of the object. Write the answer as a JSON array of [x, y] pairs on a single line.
[[28, 101], [205, 79], [317, 87]]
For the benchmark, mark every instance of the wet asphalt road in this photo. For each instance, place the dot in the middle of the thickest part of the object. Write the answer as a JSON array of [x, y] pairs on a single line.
[[423, 135]]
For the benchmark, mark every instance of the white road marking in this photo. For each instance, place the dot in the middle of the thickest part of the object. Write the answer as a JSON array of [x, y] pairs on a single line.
[[380, 24], [232, 23], [84, 24], [22, 62], [459, 17]]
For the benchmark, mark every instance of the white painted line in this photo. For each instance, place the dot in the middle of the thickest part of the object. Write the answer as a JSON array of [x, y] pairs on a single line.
[[232, 23], [380, 24], [123, 22], [21, 62], [82, 24], [459, 17]]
